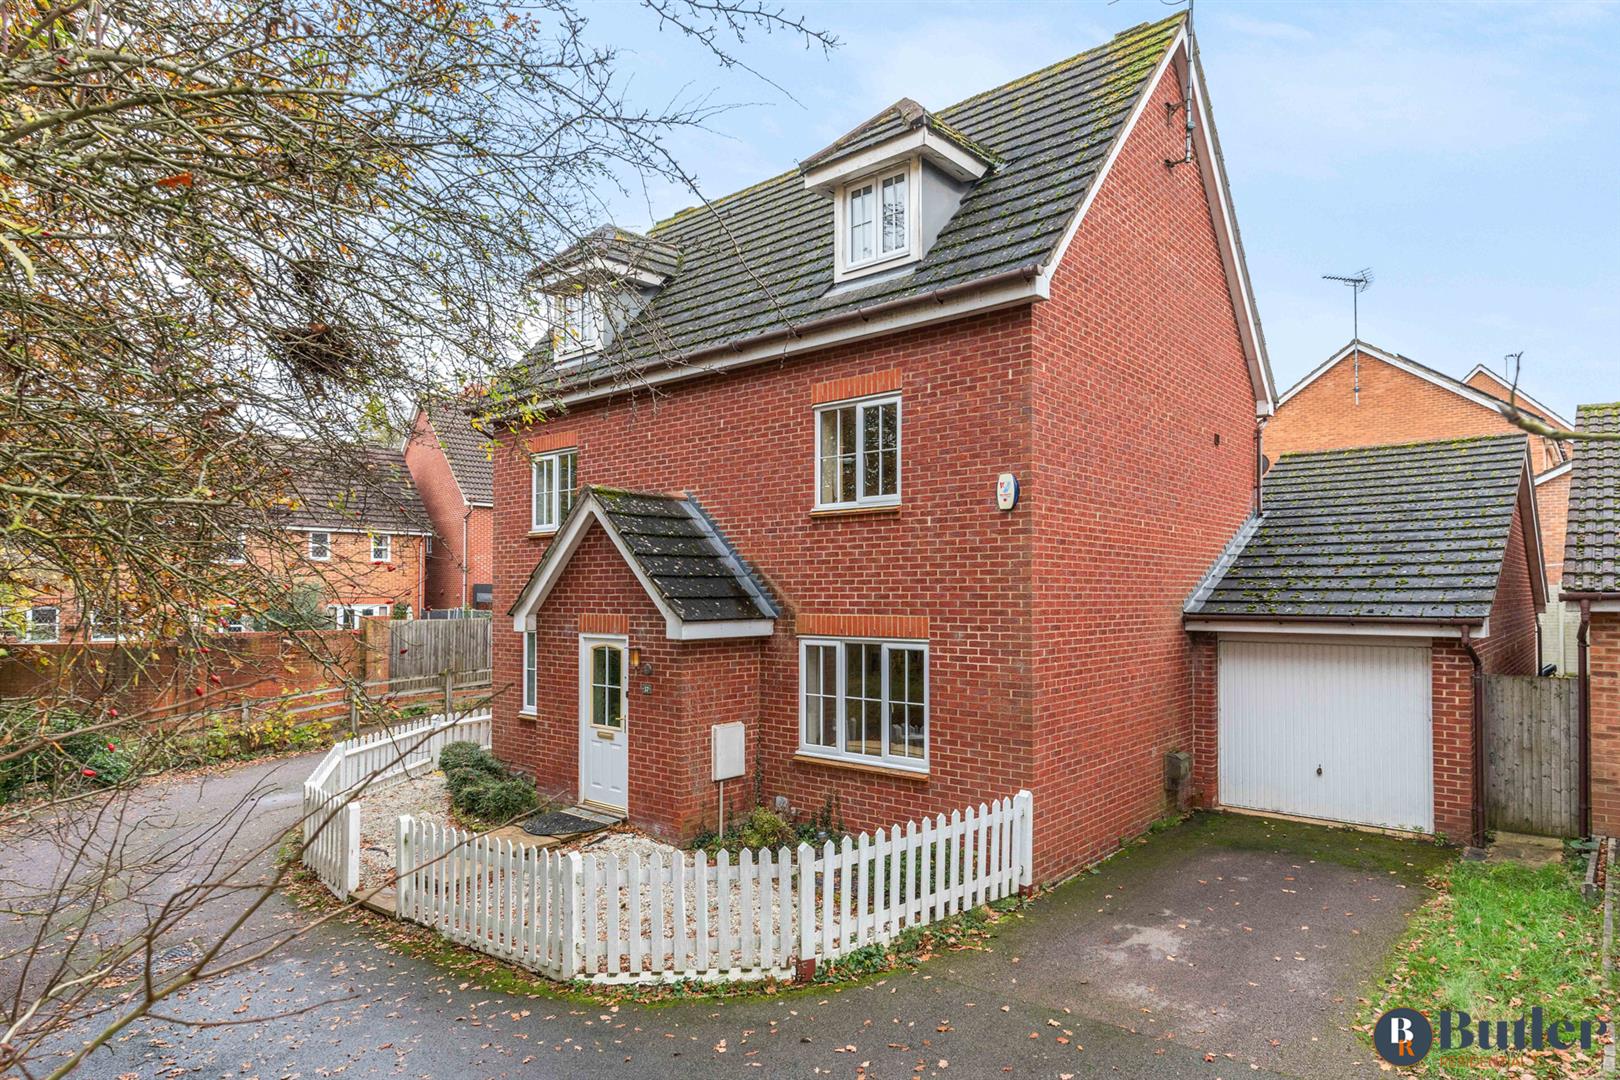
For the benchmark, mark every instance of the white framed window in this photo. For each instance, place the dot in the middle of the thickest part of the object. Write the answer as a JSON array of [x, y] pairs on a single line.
[[530, 674], [42, 623], [858, 453], [576, 319], [864, 700], [104, 627], [551, 489], [234, 620], [382, 547], [875, 218], [235, 552], [348, 616], [320, 546]]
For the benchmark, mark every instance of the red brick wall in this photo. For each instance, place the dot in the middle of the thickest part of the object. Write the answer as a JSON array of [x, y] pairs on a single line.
[[743, 444], [1396, 407], [1452, 713], [134, 677], [350, 577], [1144, 446], [1511, 647], [463, 534], [1603, 664], [1552, 510]]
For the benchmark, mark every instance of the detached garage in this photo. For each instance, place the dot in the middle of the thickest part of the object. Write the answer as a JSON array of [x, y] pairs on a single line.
[[1339, 636]]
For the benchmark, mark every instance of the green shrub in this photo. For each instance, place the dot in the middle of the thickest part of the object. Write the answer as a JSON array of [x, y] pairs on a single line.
[[457, 780], [469, 755], [496, 799], [59, 750], [759, 828]]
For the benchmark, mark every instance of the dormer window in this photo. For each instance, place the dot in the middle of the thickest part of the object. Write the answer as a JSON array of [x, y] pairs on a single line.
[[576, 323], [877, 219], [881, 175]]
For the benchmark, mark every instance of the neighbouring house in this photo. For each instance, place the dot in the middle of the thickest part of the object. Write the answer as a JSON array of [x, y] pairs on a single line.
[[1367, 396], [1342, 634], [948, 423], [1592, 584], [450, 466], [353, 533]]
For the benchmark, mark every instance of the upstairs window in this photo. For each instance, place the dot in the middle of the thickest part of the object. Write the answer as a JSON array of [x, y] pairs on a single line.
[[551, 489], [858, 454], [320, 546], [877, 222], [576, 323], [235, 552], [382, 547]]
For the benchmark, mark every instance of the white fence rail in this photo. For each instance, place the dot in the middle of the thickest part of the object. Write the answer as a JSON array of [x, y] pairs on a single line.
[[332, 814], [677, 915]]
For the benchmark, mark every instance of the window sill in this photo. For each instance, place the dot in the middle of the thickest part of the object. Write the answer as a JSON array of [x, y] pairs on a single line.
[[854, 511], [528, 714], [539, 534], [895, 771]]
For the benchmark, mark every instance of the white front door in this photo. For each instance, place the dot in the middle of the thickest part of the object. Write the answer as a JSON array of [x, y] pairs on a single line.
[[604, 750], [1328, 730]]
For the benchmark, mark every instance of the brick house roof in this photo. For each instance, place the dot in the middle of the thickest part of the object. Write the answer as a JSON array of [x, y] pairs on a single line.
[[761, 261], [1390, 532], [1592, 544], [357, 488], [675, 549], [467, 451]]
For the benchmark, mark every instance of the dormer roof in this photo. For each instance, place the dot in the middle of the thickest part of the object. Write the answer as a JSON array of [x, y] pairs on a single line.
[[615, 254], [902, 130]]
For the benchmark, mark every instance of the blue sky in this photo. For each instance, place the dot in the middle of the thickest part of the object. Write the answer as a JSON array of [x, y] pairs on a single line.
[[1468, 153]]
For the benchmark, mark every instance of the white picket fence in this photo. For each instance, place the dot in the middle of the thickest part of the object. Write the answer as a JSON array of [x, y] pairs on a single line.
[[331, 811], [677, 915]]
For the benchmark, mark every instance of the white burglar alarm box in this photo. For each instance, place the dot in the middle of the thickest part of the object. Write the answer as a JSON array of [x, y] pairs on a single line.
[[729, 755]]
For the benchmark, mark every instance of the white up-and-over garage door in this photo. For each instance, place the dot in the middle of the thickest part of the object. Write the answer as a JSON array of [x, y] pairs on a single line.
[[1326, 730]]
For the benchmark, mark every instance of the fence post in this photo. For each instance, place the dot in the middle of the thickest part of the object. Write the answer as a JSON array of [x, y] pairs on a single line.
[[246, 708], [569, 960], [404, 863], [1025, 802], [449, 694], [806, 969], [354, 710]]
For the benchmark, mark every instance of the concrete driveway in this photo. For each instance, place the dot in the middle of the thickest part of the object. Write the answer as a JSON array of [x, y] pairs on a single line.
[[1225, 947]]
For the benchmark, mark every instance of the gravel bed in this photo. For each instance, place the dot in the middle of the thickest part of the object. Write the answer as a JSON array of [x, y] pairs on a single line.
[[425, 796]]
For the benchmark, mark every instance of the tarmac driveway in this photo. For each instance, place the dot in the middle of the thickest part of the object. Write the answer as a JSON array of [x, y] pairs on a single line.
[[1224, 947], [1242, 937]]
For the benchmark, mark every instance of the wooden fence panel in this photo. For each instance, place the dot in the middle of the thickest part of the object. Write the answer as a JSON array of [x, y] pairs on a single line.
[[423, 647], [1532, 754]]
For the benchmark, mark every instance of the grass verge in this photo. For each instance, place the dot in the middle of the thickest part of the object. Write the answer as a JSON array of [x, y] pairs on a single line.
[[1497, 940]]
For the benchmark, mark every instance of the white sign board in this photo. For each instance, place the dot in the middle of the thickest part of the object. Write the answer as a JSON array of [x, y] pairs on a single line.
[[730, 758]]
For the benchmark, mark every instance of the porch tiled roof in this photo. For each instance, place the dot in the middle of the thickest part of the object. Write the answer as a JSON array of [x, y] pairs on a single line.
[[1592, 545], [678, 549], [1391, 532]]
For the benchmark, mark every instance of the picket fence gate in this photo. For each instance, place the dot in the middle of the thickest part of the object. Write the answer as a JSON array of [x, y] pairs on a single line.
[[331, 819], [679, 915]]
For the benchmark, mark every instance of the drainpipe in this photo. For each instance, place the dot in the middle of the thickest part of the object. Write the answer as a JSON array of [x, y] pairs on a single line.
[[1584, 709], [1476, 802], [466, 557], [1259, 465]]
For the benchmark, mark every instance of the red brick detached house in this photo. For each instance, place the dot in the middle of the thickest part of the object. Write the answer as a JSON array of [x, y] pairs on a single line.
[[1341, 634], [1367, 396], [450, 466], [1592, 585], [949, 422]]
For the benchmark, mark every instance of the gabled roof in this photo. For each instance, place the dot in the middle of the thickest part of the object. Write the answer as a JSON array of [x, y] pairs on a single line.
[[904, 115], [1592, 544], [620, 253], [756, 274], [466, 449], [689, 570], [355, 488], [1506, 390], [1386, 533]]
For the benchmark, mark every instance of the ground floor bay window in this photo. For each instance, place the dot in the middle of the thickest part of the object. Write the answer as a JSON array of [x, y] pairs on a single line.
[[864, 701]]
